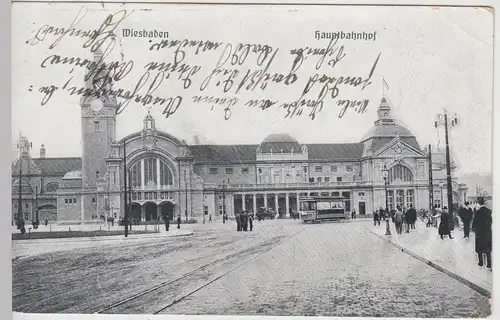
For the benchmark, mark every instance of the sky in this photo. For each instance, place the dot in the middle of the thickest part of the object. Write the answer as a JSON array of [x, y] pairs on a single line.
[[431, 59]]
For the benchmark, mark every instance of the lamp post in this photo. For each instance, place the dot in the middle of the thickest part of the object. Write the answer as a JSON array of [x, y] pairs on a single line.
[[186, 189], [442, 119], [385, 174], [441, 186], [224, 201], [203, 209], [97, 195]]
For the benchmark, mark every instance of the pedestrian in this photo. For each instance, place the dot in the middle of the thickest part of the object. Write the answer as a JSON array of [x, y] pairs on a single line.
[[398, 220], [238, 222], [376, 218], [179, 221], [465, 214], [244, 221], [21, 227], [46, 221], [210, 218], [444, 224], [223, 218], [481, 225], [250, 221], [406, 221], [412, 215], [167, 222]]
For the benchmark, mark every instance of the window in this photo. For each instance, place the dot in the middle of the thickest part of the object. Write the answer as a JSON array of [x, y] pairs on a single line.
[[65, 200], [26, 216], [400, 196], [74, 200], [311, 179], [327, 179], [148, 124], [70, 201], [205, 210], [390, 199], [361, 194], [349, 168], [339, 179], [220, 210], [229, 170], [335, 194], [318, 179], [409, 198], [399, 172], [213, 171], [318, 169], [437, 203], [244, 170], [333, 168], [51, 187], [96, 126], [93, 200]]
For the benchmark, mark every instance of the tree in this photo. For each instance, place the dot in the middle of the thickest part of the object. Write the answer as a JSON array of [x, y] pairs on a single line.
[[480, 192]]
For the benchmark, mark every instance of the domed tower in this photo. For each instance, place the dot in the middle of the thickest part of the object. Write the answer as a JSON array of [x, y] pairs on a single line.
[[384, 130]]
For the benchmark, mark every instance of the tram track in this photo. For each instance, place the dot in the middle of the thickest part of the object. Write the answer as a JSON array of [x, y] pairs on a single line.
[[176, 290], [79, 285]]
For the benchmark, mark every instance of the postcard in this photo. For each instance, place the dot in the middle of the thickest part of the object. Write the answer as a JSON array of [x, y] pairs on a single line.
[[252, 160]]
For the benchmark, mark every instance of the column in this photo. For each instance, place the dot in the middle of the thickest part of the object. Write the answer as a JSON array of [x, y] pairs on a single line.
[[287, 204], [298, 202], [82, 208], [243, 204], [254, 203], [276, 204], [143, 214], [265, 200], [143, 180], [158, 184]]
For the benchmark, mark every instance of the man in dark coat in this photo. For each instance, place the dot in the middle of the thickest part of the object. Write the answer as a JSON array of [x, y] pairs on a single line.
[[376, 218], [465, 214], [167, 222], [481, 225], [444, 225], [250, 221], [238, 222], [412, 217], [178, 221], [245, 221]]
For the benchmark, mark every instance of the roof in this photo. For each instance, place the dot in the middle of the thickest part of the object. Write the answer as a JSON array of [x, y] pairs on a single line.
[[378, 143], [222, 154], [58, 166], [387, 130], [279, 137]]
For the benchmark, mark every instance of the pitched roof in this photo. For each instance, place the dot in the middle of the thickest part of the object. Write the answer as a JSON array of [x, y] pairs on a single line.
[[58, 166], [222, 154], [327, 151]]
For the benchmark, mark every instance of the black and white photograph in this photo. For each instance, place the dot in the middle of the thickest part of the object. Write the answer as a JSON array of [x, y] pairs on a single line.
[[252, 160]]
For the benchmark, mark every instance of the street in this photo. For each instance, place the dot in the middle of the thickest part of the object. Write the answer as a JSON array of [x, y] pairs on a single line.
[[280, 268]]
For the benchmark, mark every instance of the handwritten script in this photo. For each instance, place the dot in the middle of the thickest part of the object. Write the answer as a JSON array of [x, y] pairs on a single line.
[[239, 68]]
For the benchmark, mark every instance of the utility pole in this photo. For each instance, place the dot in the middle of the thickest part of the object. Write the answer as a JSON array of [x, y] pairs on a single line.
[[224, 200], [20, 207], [431, 185], [443, 120], [186, 188], [125, 219]]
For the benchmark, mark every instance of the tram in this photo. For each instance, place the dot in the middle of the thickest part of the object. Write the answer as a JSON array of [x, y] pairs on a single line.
[[316, 209]]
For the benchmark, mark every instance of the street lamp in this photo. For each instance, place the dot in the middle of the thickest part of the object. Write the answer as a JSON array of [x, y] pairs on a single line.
[[442, 119], [385, 174], [97, 195]]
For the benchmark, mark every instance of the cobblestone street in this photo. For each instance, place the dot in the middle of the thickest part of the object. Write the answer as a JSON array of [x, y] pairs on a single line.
[[282, 268]]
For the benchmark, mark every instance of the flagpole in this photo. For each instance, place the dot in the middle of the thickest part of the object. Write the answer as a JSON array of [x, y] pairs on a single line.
[[383, 88]]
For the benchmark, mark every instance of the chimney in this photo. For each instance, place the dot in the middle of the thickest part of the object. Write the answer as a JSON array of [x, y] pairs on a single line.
[[42, 152]]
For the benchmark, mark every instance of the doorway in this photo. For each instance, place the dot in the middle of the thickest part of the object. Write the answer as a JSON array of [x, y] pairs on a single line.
[[362, 208]]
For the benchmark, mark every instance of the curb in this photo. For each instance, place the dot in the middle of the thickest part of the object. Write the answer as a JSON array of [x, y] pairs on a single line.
[[470, 284], [102, 238]]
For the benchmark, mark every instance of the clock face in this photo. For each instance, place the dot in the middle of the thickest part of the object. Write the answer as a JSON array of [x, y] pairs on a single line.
[[398, 150], [96, 105]]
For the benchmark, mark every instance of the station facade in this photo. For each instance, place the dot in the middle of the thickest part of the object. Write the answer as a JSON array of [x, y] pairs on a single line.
[[168, 177]]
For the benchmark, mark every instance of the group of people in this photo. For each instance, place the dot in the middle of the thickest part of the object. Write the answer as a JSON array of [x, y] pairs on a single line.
[[244, 221], [399, 216], [482, 220]]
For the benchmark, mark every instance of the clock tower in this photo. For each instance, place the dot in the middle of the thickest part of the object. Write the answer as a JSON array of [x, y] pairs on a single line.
[[98, 114]]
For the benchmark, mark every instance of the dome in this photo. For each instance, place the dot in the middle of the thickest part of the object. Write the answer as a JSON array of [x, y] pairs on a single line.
[[280, 143], [387, 131], [73, 175]]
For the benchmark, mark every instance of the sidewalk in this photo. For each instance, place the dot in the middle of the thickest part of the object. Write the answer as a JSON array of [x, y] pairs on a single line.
[[454, 257]]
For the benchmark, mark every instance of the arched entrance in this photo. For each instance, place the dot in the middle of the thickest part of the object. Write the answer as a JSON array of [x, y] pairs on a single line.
[[167, 209], [135, 211], [150, 211], [48, 212]]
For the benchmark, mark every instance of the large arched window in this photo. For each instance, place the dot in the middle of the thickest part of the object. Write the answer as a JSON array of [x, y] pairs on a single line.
[[154, 169], [51, 187], [400, 172]]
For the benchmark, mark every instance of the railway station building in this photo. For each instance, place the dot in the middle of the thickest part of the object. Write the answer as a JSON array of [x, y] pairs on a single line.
[[169, 177]]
